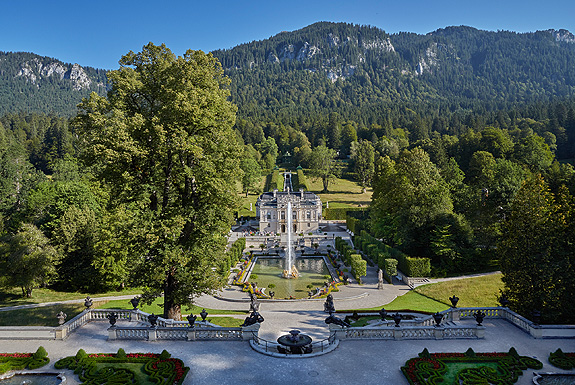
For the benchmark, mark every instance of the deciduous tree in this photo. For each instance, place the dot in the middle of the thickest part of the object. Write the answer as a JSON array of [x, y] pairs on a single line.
[[163, 142]]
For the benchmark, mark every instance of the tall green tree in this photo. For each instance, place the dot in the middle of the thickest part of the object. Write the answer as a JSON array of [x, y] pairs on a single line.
[[251, 178], [162, 141], [409, 197], [323, 166], [363, 156], [28, 260], [536, 252]]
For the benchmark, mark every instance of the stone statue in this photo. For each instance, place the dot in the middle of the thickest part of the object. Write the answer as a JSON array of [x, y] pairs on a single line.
[[252, 319], [379, 279], [328, 305], [61, 318], [254, 303], [335, 320], [153, 319]]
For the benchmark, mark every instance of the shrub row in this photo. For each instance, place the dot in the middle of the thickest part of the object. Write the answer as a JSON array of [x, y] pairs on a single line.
[[340, 213], [235, 252], [379, 251], [19, 361], [344, 249], [358, 266]]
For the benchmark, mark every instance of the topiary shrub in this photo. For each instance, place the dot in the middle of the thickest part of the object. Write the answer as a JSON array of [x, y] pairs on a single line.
[[121, 353]]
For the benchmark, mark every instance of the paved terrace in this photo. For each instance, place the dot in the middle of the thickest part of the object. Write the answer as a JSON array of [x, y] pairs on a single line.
[[364, 362]]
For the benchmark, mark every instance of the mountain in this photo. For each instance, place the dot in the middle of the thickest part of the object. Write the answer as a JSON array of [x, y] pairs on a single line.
[[33, 83], [360, 72], [356, 70]]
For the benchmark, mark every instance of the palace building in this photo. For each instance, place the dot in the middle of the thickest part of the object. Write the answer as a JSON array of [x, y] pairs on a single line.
[[272, 210]]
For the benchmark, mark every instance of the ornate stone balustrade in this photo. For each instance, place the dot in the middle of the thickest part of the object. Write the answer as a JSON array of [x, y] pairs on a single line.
[[410, 332], [183, 334]]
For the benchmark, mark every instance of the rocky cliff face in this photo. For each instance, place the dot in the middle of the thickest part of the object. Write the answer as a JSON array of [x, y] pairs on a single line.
[[36, 72], [562, 35]]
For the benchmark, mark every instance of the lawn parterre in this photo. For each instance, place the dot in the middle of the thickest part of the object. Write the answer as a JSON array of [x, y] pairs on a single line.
[[19, 361], [467, 368], [122, 368]]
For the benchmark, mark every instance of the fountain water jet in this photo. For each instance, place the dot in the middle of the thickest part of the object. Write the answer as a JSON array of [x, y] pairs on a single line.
[[291, 271]]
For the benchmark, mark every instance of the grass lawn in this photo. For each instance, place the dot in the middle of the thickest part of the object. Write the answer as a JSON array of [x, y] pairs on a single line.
[[478, 291], [342, 193], [412, 301], [157, 309], [13, 297], [39, 316]]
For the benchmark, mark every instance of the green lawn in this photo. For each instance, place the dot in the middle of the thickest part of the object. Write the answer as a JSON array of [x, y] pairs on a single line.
[[157, 309], [39, 316], [479, 291], [409, 301], [13, 297]]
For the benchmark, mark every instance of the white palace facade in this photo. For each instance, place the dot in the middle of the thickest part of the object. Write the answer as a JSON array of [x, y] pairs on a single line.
[[272, 210]]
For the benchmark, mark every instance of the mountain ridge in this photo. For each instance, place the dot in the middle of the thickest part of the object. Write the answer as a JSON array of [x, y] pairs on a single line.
[[346, 66]]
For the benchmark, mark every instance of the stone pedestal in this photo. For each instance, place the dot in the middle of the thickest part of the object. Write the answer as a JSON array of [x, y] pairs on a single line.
[[481, 332], [397, 333], [438, 332], [249, 331], [454, 314], [112, 333], [339, 331], [153, 334]]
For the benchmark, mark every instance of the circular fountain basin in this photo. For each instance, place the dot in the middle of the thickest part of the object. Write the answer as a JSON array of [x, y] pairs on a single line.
[[32, 378], [550, 378]]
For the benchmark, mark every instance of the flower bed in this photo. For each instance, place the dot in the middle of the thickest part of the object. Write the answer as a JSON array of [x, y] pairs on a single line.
[[110, 368], [467, 368], [19, 361], [562, 360]]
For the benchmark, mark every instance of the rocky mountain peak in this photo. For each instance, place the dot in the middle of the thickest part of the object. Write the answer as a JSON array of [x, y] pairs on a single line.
[[562, 35], [35, 71]]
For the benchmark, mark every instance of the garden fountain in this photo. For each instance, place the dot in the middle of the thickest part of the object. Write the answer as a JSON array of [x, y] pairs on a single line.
[[290, 271]]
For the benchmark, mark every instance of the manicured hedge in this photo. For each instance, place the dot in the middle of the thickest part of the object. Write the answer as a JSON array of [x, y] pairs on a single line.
[[340, 213], [467, 368], [565, 361], [20, 361], [359, 266], [379, 251], [160, 368]]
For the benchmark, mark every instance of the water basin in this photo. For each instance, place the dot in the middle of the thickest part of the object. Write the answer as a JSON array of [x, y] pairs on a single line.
[[554, 379], [33, 379], [312, 270]]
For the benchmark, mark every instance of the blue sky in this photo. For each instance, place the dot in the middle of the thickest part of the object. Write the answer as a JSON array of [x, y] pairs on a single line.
[[98, 33]]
